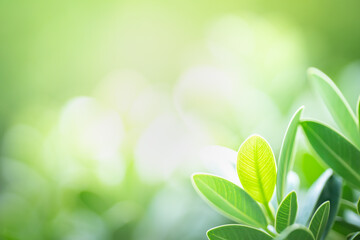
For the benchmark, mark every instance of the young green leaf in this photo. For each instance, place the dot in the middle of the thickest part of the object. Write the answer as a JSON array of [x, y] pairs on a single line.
[[347, 205], [285, 159], [256, 168], [344, 228], [358, 206], [327, 188], [286, 212], [237, 232], [354, 236], [295, 232], [319, 220], [229, 199], [336, 103], [337, 152]]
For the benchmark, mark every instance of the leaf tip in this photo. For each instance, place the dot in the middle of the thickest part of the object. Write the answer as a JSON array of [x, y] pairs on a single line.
[[195, 176]]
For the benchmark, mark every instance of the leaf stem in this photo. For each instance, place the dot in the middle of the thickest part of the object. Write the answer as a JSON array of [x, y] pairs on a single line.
[[270, 213]]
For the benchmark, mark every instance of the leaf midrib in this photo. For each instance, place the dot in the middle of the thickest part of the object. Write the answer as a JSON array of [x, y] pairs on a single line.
[[248, 218], [335, 155], [259, 177], [288, 219], [320, 224]]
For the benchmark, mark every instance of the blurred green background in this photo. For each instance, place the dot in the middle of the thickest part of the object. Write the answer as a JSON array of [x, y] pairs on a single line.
[[107, 107]]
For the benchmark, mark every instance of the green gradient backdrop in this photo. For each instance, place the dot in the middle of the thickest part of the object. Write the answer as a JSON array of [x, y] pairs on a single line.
[[163, 79]]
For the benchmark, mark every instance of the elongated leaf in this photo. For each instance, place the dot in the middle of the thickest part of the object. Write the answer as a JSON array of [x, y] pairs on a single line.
[[229, 199], [327, 188], [256, 168], [319, 220], [286, 159], [347, 205], [338, 153], [336, 104], [237, 232], [358, 206], [286, 212], [343, 227], [332, 193], [355, 236], [308, 205], [295, 232]]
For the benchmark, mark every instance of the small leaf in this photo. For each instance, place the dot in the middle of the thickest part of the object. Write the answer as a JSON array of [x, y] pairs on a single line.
[[327, 188], [256, 168], [295, 232], [358, 206], [347, 205], [337, 152], [319, 220], [237, 232], [286, 212], [229, 199], [344, 228], [354, 236], [336, 104], [285, 159]]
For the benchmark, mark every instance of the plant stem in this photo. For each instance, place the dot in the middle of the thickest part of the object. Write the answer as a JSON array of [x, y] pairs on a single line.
[[270, 213]]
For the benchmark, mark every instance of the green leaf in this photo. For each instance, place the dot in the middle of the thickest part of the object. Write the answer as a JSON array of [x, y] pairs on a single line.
[[343, 227], [229, 199], [347, 205], [286, 212], [336, 104], [237, 232], [256, 168], [327, 188], [337, 152], [308, 205], [286, 159], [295, 232], [358, 206], [355, 236], [319, 220]]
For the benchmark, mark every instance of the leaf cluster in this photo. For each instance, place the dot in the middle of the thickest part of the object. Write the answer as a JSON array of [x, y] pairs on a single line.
[[251, 205]]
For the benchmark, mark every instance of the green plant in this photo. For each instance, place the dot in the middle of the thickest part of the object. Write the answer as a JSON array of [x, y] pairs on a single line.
[[250, 205], [338, 150]]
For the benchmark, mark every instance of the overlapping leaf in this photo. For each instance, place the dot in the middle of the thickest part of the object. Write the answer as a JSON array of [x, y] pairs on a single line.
[[229, 199], [344, 228], [286, 212], [237, 232], [336, 104], [327, 188], [337, 152], [256, 168], [355, 236], [319, 220], [295, 232], [285, 158]]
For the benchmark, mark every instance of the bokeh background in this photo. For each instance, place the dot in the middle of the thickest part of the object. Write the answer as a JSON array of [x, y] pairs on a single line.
[[108, 107]]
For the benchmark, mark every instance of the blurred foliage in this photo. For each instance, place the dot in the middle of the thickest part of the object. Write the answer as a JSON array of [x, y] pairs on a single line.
[[161, 80]]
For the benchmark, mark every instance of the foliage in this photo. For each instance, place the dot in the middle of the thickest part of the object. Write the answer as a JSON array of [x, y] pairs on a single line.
[[251, 206]]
